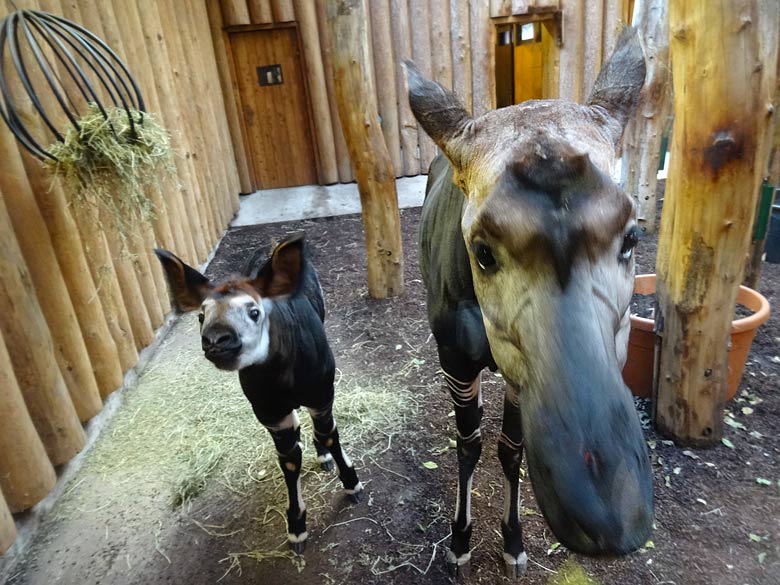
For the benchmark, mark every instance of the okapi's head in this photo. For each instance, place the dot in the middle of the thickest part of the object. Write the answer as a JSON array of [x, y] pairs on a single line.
[[234, 314], [550, 239]]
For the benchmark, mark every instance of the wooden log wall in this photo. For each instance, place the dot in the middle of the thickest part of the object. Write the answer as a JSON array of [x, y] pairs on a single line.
[[75, 308], [452, 41]]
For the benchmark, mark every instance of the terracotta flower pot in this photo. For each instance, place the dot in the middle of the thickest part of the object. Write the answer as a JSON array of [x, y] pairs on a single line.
[[638, 371]]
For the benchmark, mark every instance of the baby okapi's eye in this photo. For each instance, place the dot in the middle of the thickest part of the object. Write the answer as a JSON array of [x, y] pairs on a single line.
[[254, 314], [484, 255], [201, 316], [630, 241]]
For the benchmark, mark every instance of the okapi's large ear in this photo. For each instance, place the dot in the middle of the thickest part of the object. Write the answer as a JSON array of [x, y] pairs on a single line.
[[620, 82], [440, 113], [188, 286], [282, 273]]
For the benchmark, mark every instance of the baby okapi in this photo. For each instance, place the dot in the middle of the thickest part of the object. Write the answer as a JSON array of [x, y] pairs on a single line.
[[526, 250], [268, 325]]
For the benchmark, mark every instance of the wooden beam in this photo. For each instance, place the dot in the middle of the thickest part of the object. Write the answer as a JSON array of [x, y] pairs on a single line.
[[402, 48], [441, 65], [27, 474], [259, 11], [460, 40], [7, 526], [384, 66], [283, 10], [235, 12], [420, 20], [722, 112], [483, 58], [573, 51], [32, 352], [306, 15], [644, 133], [347, 23], [219, 39]]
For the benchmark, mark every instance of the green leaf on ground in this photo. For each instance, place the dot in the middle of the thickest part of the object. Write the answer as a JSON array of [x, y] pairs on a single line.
[[430, 465], [762, 481], [754, 537], [728, 443]]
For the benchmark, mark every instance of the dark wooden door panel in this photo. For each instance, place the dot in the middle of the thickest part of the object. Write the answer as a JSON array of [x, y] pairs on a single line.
[[269, 75]]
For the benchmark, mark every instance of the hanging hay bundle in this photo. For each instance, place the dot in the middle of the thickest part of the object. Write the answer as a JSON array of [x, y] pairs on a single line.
[[111, 163]]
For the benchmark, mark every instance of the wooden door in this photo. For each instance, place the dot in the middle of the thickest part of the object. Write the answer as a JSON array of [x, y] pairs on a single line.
[[275, 106]]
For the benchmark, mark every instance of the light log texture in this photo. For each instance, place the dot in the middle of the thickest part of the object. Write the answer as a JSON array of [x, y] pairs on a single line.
[[7, 526], [483, 58], [236, 128], [402, 48], [35, 243], [187, 200], [259, 12], [283, 10], [644, 133], [200, 32], [318, 91], [593, 43], [420, 20], [500, 8], [342, 153], [722, 112], [441, 47], [613, 24], [384, 66], [26, 474], [32, 352], [460, 39], [360, 121], [573, 51], [235, 12]]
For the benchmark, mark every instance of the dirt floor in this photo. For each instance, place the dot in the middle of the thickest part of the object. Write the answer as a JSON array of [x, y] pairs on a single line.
[[185, 434]]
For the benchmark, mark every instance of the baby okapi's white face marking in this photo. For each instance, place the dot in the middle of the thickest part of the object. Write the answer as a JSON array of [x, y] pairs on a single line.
[[235, 314], [241, 316]]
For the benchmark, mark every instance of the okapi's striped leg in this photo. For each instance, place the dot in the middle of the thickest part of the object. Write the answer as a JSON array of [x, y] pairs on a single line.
[[510, 453], [467, 399], [327, 435], [286, 435]]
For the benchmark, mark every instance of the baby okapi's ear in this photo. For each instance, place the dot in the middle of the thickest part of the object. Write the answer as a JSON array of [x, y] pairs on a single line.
[[188, 286], [440, 113], [620, 82], [282, 273]]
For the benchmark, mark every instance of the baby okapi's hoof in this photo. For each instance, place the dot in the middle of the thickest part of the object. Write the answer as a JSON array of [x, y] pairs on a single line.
[[355, 494], [298, 547], [514, 567], [326, 462], [459, 567]]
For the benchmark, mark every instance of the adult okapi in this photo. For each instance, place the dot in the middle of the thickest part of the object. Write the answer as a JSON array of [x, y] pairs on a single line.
[[526, 252], [268, 325]]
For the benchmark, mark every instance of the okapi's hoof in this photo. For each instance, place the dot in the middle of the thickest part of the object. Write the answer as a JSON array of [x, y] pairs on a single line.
[[326, 463], [514, 567], [297, 542], [459, 567], [355, 495]]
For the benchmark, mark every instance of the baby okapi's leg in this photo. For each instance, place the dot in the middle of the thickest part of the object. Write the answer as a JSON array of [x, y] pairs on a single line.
[[286, 435], [327, 435], [467, 398], [510, 453]]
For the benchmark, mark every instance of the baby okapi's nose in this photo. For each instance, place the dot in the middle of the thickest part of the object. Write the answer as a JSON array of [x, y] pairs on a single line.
[[217, 339]]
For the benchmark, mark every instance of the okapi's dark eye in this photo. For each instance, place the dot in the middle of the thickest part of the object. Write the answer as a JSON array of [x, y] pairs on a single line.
[[254, 314], [483, 255], [630, 241], [200, 318]]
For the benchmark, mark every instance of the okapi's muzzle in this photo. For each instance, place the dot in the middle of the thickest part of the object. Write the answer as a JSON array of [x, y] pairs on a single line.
[[221, 346], [586, 453]]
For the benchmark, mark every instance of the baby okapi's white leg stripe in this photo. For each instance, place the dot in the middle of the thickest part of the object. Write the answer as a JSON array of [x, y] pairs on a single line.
[[301, 505], [461, 560], [296, 538], [347, 460], [290, 421], [358, 488], [324, 458], [521, 560], [472, 437], [464, 392], [510, 443]]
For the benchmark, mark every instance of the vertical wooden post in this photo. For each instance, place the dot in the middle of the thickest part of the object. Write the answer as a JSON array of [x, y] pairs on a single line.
[[235, 12], [573, 51], [7, 526], [283, 10], [26, 474], [35, 243], [384, 62], [440, 41], [342, 153], [593, 43], [460, 39], [318, 91], [483, 58], [402, 45], [421, 53], [722, 112], [644, 133], [237, 135], [32, 352], [259, 11], [360, 122]]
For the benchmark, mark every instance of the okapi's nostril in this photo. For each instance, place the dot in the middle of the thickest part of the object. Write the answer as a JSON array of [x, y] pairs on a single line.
[[224, 339]]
